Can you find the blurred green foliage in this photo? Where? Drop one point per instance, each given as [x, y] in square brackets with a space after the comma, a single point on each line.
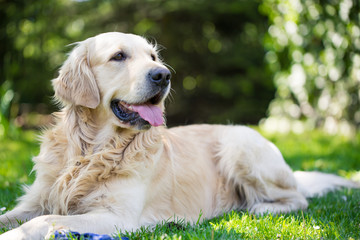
[217, 48]
[314, 53]
[6, 99]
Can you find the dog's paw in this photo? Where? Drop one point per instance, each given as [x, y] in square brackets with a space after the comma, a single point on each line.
[56, 231]
[15, 234]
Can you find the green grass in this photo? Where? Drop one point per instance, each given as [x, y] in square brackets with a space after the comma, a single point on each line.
[15, 166]
[334, 216]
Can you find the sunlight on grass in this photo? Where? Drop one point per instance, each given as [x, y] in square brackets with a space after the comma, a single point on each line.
[317, 150]
[287, 227]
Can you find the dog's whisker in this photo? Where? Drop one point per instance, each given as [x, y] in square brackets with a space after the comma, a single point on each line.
[171, 68]
[160, 47]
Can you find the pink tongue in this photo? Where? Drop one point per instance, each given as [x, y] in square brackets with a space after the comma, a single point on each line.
[150, 113]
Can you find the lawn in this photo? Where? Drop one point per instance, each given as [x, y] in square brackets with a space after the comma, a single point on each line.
[334, 216]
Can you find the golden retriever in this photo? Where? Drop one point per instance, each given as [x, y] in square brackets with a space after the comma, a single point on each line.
[110, 163]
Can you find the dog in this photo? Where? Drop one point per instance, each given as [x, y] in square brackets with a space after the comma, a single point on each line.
[109, 162]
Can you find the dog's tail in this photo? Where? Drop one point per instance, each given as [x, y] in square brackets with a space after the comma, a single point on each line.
[312, 184]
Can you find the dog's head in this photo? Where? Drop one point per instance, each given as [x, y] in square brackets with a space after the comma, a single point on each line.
[121, 73]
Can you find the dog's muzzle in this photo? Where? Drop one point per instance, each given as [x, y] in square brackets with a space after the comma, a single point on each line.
[147, 112]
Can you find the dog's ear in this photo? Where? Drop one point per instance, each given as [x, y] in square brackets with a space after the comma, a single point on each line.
[76, 83]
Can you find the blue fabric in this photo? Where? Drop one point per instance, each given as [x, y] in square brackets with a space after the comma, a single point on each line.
[84, 236]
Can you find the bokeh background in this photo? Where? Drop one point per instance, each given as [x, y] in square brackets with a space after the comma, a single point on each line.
[289, 65]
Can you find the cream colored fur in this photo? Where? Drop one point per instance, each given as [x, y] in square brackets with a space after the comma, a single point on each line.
[97, 174]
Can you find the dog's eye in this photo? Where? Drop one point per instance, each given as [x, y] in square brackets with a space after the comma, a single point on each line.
[153, 57]
[120, 56]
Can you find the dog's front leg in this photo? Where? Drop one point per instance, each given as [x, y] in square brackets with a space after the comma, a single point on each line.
[100, 222]
[17, 216]
[34, 229]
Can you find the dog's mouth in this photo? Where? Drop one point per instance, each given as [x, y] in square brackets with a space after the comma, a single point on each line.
[144, 113]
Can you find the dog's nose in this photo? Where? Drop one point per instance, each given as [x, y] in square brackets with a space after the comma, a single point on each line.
[160, 76]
